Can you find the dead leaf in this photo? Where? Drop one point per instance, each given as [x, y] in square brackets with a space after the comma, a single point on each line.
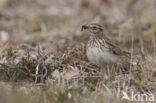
[71, 73]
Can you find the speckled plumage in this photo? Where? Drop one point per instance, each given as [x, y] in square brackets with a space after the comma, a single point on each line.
[101, 50]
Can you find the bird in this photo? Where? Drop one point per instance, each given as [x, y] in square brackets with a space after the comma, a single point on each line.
[102, 51]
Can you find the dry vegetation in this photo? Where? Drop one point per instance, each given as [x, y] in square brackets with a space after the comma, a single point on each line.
[42, 50]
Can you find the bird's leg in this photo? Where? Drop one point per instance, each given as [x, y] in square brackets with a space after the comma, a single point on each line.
[104, 71]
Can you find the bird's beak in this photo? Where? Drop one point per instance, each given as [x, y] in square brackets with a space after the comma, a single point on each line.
[84, 27]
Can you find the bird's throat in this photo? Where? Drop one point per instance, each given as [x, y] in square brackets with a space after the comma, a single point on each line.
[94, 36]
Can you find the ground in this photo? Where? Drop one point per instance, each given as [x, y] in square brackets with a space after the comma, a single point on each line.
[42, 50]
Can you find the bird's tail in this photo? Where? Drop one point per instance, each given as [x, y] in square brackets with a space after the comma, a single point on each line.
[128, 67]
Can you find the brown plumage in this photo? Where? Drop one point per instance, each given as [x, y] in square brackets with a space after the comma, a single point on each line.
[102, 51]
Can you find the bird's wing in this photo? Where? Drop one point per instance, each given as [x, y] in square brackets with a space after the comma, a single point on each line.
[115, 49]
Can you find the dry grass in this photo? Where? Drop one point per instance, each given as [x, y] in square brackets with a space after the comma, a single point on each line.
[42, 51]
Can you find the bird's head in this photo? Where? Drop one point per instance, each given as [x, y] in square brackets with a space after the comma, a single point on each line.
[93, 28]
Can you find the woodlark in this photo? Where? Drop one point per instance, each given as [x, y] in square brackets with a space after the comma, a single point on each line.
[101, 51]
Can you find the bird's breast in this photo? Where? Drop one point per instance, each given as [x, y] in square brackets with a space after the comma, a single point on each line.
[100, 56]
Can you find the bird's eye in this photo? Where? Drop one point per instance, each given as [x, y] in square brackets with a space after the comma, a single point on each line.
[94, 27]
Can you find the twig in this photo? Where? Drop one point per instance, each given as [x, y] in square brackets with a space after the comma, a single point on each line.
[44, 68]
[37, 68]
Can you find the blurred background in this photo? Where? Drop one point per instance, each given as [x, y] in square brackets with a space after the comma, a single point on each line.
[57, 23]
[39, 34]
